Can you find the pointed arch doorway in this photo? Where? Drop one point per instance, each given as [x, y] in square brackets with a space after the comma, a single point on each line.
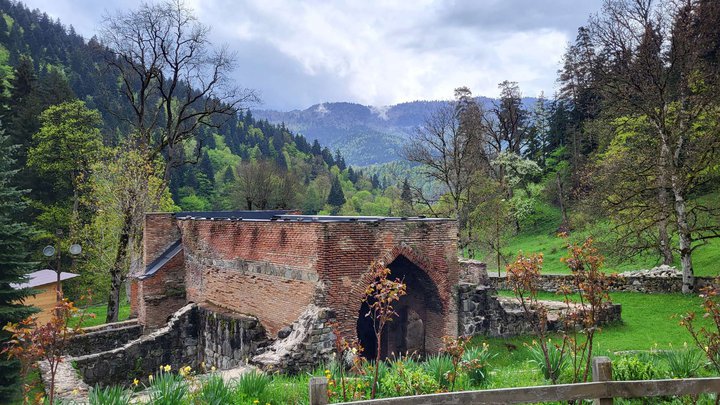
[420, 315]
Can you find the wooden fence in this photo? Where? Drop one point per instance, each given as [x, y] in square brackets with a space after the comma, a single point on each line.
[602, 390]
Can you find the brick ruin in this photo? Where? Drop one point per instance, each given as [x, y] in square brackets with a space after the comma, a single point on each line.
[273, 289]
[275, 266]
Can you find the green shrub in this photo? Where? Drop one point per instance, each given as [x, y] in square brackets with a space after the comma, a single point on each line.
[214, 391]
[253, 384]
[408, 381]
[438, 366]
[684, 363]
[168, 388]
[477, 364]
[112, 395]
[632, 368]
[556, 358]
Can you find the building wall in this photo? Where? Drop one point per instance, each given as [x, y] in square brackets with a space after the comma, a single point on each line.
[160, 231]
[45, 300]
[264, 269]
[351, 249]
[161, 294]
[275, 269]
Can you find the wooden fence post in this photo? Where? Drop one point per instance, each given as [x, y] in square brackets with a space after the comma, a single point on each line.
[318, 391]
[602, 371]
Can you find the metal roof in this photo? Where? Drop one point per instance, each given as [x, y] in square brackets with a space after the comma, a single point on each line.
[256, 215]
[157, 264]
[42, 277]
[283, 215]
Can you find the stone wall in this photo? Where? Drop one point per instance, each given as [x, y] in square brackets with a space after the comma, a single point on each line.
[308, 343]
[176, 344]
[482, 313]
[652, 285]
[228, 340]
[200, 334]
[104, 337]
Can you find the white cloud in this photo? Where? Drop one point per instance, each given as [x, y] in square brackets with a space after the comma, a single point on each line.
[299, 53]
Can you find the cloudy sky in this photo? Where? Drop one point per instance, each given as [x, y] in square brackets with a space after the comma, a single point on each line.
[300, 53]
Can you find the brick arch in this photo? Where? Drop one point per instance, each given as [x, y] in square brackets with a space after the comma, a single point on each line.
[356, 294]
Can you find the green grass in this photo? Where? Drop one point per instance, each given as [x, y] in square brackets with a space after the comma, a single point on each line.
[538, 235]
[100, 312]
[649, 320]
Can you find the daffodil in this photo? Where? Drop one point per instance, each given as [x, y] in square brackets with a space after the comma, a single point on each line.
[212, 369]
[167, 368]
[150, 377]
[75, 391]
[136, 382]
[257, 401]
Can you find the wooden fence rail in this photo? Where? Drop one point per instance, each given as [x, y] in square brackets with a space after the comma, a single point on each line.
[602, 390]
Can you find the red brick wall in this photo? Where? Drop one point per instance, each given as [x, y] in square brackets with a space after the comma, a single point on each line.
[162, 293]
[349, 249]
[265, 269]
[160, 232]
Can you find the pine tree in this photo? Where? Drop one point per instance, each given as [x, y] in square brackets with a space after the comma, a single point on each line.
[406, 194]
[13, 264]
[336, 198]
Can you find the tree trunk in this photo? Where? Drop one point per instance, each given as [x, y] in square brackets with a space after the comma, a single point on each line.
[565, 226]
[665, 246]
[663, 200]
[685, 237]
[684, 233]
[113, 306]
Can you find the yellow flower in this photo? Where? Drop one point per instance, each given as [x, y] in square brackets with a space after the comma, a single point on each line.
[203, 365]
[212, 369]
[167, 368]
[136, 382]
[150, 377]
[256, 401]
[327, 371]
[75, 391]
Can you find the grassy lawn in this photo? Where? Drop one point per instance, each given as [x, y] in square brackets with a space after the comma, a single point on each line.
[100, 312]
[649, 320]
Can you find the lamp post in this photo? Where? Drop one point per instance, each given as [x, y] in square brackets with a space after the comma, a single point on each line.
[50, 251]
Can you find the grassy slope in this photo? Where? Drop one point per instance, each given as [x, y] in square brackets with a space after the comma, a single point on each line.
[540, 236]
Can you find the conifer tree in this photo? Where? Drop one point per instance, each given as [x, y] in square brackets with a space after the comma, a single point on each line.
[13, 264]
[336, 198]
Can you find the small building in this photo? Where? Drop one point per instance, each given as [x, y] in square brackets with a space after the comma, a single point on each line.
[44, 282]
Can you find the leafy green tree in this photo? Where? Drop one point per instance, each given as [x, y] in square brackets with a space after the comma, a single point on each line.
[14, 266]
[122, 190]
[67, 145]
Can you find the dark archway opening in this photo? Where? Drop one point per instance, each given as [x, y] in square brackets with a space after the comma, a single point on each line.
[418, 311]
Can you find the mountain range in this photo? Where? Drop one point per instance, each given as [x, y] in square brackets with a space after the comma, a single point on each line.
[365, 135]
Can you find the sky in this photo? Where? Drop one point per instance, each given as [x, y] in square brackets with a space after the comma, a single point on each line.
[299, 53]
